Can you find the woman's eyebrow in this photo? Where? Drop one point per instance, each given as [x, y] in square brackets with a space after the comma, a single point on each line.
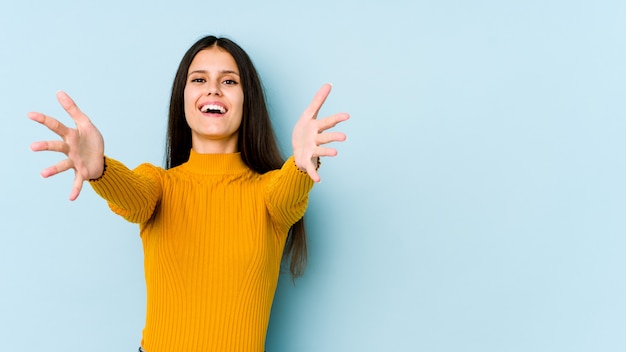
[221, 72]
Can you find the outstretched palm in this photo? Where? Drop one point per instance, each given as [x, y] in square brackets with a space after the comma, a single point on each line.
[83, 145]
[308, 134]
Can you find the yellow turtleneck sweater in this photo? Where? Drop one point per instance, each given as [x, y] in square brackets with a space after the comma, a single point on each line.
[213, 233]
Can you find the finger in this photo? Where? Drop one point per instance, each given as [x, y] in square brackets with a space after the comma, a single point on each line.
[313, 173]
[332, 121]
[322, 151]
[330, 137]
[55, 146]
[72, 109]
[53, 124]
[59, 167]
[318, 100]
[77, 187]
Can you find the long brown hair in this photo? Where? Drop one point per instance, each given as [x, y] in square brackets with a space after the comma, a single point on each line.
[256, 140]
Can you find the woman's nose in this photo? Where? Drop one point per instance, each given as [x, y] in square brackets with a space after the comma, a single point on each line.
[214, 89]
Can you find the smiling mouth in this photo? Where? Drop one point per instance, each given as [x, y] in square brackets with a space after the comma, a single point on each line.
[213, 109]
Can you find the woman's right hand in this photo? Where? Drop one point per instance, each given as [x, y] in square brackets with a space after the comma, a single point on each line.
[83, 145]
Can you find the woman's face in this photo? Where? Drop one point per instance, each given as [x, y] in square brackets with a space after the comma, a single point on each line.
[213, 101]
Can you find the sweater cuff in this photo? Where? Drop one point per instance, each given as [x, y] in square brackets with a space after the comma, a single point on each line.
[317, 167]
[105, 185]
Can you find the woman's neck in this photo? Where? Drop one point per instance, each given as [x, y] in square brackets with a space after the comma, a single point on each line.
[214, 146]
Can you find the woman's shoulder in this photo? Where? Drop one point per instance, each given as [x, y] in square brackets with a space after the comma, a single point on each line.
[149, 169]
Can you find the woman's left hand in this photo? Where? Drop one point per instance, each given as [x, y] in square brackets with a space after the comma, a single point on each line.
[308, 135]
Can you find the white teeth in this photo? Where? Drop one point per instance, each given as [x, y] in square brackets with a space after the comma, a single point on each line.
[210, 107]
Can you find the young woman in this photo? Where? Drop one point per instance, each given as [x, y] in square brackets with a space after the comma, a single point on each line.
[216, 222]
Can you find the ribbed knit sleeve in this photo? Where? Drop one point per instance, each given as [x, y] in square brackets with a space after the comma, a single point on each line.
[132, 194]
[288, 194]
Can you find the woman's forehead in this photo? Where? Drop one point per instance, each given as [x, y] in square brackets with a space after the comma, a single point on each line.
[214, 59]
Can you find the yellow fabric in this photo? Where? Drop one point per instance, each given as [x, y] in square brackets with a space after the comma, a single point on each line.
[213, 233]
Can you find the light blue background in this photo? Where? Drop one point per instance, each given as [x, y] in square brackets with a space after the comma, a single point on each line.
[478, 204]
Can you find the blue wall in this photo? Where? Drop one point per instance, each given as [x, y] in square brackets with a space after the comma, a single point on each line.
[478, 204]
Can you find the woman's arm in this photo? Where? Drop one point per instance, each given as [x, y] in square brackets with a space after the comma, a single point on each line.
[288, 191]
[131, 194]
[288, 194]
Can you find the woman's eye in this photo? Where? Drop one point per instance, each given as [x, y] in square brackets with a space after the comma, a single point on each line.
[230, 82]
[198, 80]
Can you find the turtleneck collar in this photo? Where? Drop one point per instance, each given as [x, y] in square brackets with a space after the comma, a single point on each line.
[213, 164]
